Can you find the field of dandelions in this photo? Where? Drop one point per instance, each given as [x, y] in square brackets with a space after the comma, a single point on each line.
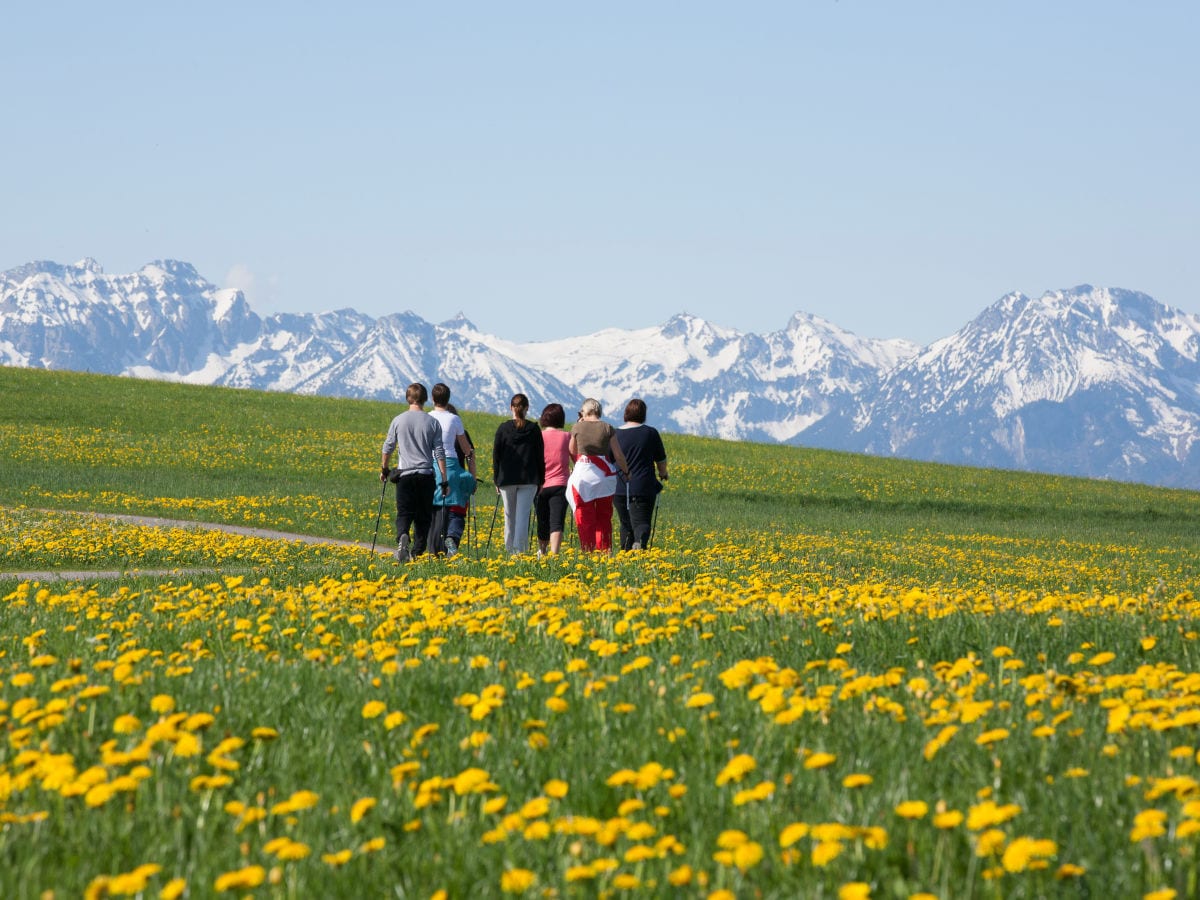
[831, 677]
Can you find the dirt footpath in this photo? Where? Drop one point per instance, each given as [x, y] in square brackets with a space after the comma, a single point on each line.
[61, 575]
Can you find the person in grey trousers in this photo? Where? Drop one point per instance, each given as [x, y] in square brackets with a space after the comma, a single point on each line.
[416, 438]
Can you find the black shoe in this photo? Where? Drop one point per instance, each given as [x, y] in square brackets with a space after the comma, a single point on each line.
[403, 553]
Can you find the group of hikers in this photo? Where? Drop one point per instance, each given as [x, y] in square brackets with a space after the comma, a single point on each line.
[535, 466]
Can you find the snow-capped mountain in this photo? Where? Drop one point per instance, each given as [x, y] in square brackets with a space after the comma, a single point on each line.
[1090, 381]
[1095, 382]
[709, 380]
[167, 322]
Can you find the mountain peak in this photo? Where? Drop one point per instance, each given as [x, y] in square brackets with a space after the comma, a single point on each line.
[87, 264]
[459, 322]
[173, 267]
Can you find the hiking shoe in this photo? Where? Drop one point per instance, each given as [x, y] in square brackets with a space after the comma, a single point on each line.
[637, 545]
[403, 551]
[451, 546]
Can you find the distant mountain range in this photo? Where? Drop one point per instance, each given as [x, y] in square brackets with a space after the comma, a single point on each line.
[1098, 382]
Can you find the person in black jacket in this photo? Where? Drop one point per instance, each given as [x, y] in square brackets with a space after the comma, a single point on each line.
[518, 470]
[638, 491]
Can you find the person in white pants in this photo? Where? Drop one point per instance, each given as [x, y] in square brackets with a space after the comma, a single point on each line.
[518, 469]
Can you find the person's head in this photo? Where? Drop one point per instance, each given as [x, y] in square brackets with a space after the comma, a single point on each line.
[519, 404]
[416, 395]
[591, 407]
[553, 416]
[440, 394]
[635, 411]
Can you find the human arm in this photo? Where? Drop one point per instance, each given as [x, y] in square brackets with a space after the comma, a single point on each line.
[389, 444]
[497, 450]
[618, 454]
[539, 459]
[468, 452]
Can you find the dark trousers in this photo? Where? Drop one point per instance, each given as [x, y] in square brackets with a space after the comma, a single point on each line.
[414, 506]
[635, 519]
[551, 505]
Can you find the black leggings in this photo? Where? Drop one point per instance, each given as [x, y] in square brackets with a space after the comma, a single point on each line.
[551, 510]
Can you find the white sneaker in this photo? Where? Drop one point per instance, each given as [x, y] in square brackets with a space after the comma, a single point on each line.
[451, 546]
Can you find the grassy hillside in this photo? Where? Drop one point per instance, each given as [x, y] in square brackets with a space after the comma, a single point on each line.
[833, 676]
[309, 465]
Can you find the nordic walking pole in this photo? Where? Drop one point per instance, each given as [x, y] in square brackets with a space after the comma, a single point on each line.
[495, 509]
[653, 522]
[378, 515]
[467, 522]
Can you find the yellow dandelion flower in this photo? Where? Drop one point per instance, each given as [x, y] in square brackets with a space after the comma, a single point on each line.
[187, 744]
[731, 838]
[826, 852]
[394, 720]
[680, 877]
[989, 842]
[912, 809]
[340, 858]
[992, 737]
[361, 807]
[517, 881]
[241, 879]
[736, 769]
[1149, 823]
[1023, 851]
[819, 760]
[373, 709]
[747, 855]
[793, 833]
[951, 818]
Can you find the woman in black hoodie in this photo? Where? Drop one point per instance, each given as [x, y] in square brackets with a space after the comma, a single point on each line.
[518, 468]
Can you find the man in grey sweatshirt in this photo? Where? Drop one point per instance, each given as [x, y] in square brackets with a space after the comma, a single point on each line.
[416, 437]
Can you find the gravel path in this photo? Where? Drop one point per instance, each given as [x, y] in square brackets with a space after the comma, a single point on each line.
[61, 575]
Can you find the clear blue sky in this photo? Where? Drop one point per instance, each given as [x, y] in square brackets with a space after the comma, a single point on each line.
[553, 168]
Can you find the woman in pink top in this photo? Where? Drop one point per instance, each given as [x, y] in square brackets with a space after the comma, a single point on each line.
[552, 498]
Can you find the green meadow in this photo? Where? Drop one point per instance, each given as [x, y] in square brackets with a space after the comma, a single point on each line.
[309, 465]
[833, 676]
